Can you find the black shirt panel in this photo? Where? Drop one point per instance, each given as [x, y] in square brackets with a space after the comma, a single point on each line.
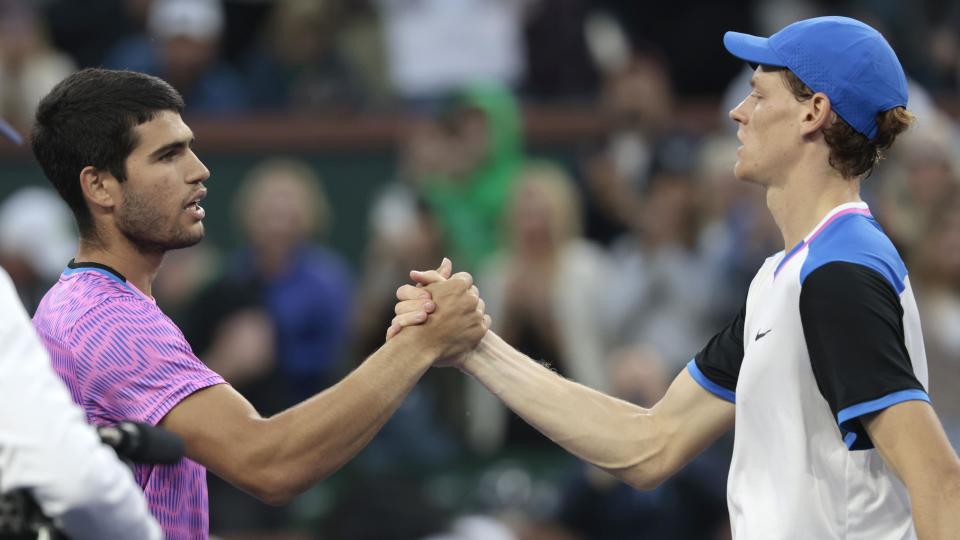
[721, 358]
[853, 327]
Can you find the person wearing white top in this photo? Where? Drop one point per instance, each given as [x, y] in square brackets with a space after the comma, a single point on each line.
[47, 449]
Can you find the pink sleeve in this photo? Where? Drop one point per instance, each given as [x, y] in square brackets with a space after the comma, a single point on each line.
[134, 363]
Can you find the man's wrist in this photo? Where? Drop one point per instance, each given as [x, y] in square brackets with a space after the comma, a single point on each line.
[482, 354]
[421, 343]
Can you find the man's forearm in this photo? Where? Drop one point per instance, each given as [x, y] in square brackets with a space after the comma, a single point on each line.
[595, 427]
[276, 458]
[912, 442]
[315, 438]
[936, 511]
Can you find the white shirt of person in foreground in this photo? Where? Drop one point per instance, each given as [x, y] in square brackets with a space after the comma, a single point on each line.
[48, 449]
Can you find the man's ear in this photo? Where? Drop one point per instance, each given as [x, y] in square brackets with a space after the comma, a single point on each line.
[99, 188]
[818, 114]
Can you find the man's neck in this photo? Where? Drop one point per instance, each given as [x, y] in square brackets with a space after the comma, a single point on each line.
[139, 268]
[801, 202]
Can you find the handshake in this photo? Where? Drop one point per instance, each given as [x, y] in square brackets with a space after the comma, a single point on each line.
[449, 310]
[442, 316]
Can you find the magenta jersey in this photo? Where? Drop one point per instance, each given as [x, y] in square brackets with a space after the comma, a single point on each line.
[123, 359]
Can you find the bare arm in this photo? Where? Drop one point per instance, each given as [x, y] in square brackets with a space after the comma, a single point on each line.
[640, 446]
[911, 440]
[277, 458]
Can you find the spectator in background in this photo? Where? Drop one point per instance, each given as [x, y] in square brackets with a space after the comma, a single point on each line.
[927, 177]
[542, 291]
[306, 287]
[559, 65]
[182, 47]
[662, 292]
[36, 235]
[637, 105]
[29, 65]
[486, 154]
[276, 323]
[943, 45]
[936, 275]
[697, 66]
[243, 19]
[87, 31]
[403, 230]
[298, 63]
[436, 47]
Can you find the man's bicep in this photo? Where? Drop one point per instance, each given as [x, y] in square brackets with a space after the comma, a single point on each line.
[699, 405]
[693, 417]
[215, 423]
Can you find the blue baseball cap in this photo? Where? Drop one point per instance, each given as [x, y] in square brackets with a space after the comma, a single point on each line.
[841, 57]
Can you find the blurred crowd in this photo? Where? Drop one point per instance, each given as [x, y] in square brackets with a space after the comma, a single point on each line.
[232, 56]
[613, 263]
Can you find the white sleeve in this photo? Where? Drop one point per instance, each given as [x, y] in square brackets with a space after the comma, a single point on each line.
[47, 448]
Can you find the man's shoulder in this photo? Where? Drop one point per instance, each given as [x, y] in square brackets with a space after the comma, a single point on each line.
[859, 240]
[85, 300]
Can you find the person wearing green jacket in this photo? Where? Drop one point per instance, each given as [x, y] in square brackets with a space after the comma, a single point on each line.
[469, 200]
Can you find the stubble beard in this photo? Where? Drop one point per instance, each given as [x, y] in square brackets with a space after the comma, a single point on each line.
[146, 227]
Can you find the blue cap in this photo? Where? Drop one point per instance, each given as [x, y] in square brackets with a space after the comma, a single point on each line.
[843, 58]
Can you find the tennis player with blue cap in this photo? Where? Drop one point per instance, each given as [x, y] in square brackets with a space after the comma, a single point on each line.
[823, 371]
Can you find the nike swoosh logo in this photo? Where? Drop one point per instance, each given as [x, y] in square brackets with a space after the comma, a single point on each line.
[761, 334]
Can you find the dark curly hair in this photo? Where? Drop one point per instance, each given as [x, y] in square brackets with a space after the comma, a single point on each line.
[88, 119]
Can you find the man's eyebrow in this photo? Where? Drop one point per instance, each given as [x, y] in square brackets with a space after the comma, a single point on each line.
[753, 82]
[175, 145]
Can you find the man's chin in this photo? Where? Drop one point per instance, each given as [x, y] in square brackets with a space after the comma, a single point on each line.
[187, 238]
[189, 241]
[743, 175]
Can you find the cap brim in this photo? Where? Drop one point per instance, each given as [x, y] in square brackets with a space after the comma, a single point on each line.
[753, 49]
[9, 132]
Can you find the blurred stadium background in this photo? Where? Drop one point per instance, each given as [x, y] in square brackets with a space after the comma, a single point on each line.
[575, 155]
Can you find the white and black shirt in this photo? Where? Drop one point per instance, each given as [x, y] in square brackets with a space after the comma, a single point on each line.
[829, 333]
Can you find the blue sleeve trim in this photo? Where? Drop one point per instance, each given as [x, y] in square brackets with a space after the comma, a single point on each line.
[709, 385]
[851, 430]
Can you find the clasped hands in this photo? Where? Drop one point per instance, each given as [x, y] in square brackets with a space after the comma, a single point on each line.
[448, 307]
